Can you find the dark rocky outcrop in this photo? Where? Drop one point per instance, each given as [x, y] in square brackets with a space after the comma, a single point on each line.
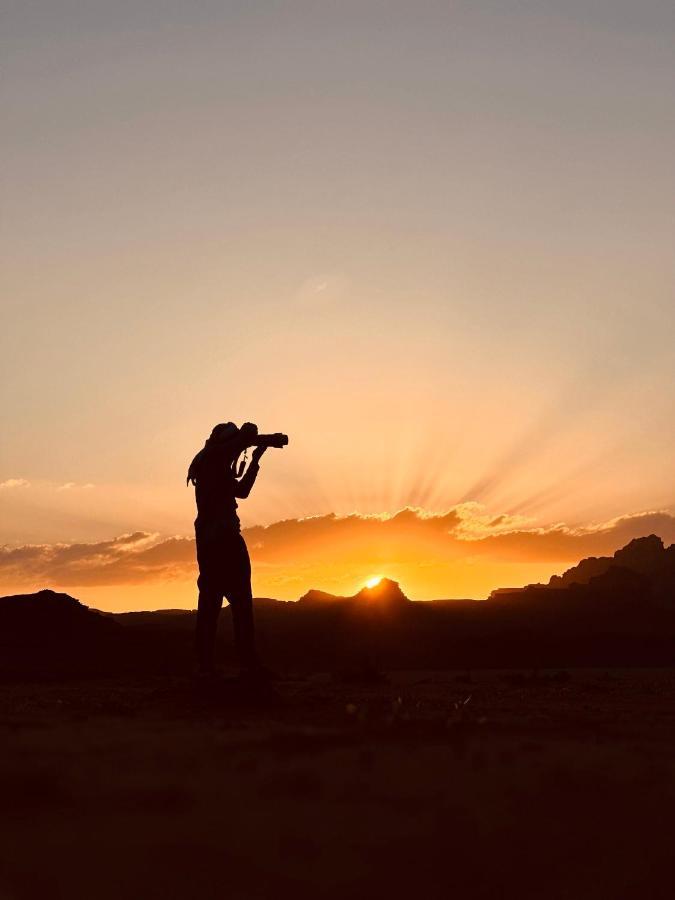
[48, 616]
[385, 594]
[611, 611]
[642, 572]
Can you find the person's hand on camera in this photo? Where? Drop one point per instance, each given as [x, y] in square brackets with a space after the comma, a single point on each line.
[248, 429]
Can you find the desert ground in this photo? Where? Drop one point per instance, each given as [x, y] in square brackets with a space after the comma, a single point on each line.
[485, 784]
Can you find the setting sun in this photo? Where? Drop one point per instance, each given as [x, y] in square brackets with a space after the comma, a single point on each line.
[374, 581]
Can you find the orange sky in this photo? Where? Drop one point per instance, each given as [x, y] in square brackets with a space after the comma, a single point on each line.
[460, 553]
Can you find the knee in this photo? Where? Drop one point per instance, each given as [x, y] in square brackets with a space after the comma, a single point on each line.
[209, 598]
[241, 600]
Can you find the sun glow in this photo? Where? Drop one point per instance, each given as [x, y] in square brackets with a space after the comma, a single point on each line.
[373, 581]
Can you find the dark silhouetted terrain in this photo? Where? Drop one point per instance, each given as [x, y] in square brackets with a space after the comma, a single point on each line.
[434, 785]
[644, 561]
[386, 594]
[614, 611]
[408, 749]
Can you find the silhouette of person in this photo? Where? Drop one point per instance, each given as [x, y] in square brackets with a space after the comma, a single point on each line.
[224, 565]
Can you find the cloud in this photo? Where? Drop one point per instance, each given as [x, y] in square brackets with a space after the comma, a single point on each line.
[12, 483]
[297, 551]
[72, 485]
[560, 543]
[128, 559]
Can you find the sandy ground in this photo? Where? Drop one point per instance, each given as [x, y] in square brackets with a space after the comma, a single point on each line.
[487, 785]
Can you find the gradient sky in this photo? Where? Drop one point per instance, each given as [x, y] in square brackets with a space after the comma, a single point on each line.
[431, 241]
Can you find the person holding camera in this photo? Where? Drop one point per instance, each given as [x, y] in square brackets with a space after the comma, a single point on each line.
[220, 479]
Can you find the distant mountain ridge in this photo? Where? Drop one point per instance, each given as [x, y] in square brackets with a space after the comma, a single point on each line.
[645, 555]
[617, 610]
[50, 635]
[644, 565]
[46, 614]
[386, 593]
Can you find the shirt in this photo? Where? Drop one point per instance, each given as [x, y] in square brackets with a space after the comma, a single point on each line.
[217, 488]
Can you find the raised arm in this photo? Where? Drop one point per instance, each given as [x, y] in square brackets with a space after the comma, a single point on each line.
[245, 483]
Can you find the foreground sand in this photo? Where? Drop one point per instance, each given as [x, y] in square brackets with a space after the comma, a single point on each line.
[558, 786]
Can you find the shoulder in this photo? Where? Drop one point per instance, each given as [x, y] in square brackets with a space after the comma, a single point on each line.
[211, 465]
[218, 456]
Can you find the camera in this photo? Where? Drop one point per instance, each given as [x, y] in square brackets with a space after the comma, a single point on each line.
[270, 440]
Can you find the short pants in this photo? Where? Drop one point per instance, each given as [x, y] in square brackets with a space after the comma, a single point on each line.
[224, 563]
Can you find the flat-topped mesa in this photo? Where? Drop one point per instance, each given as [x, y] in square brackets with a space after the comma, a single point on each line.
[645, 555]
[43, 603]
[385, 593]
[45, 614]
[314, 596]
[643, 570]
